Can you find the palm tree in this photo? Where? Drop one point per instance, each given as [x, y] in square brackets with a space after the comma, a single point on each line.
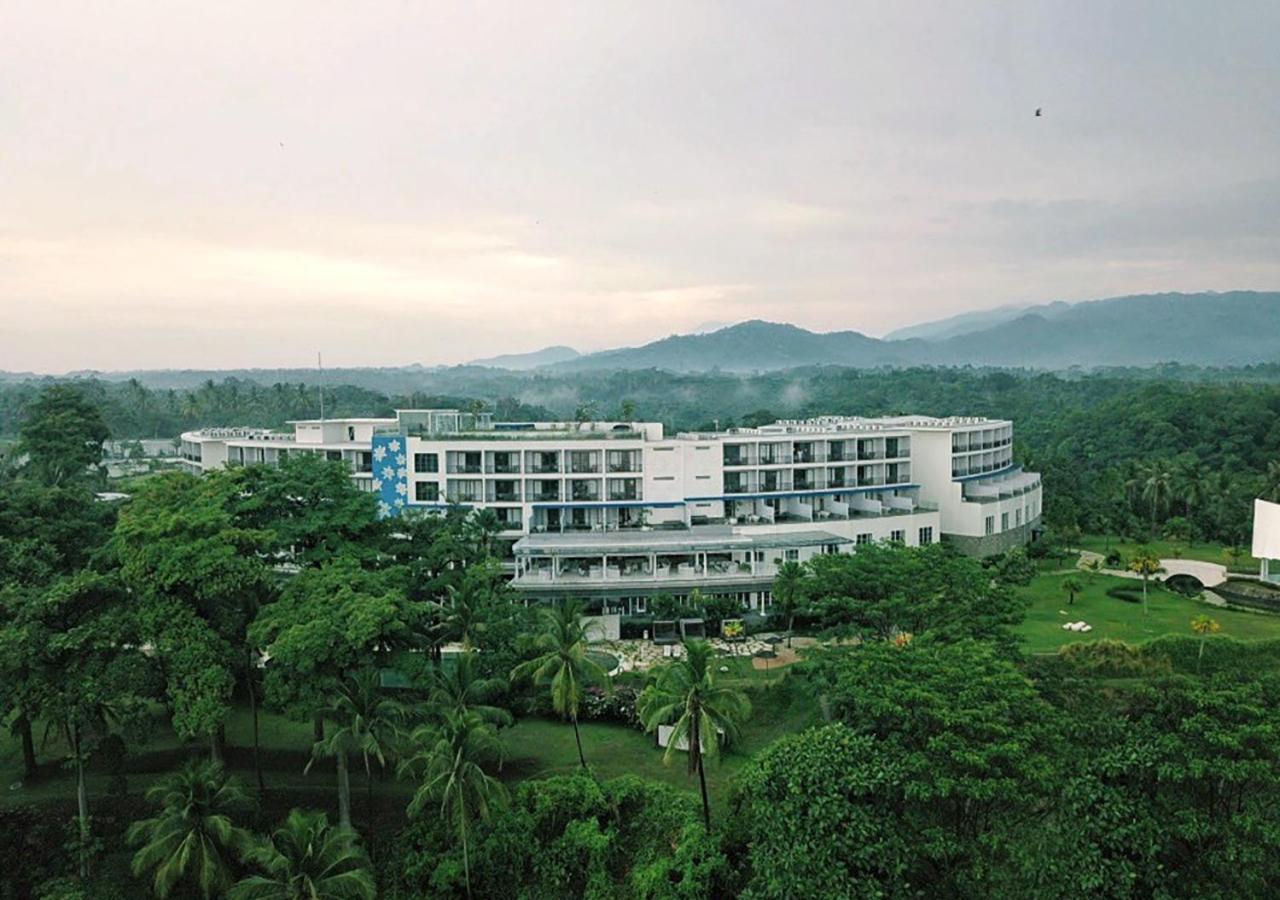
[1146, 564]
[460, 690]
[449, 761]
[306, 858]
[787, 584]
[1204, 626]
[684, 692]
[1189, 483]
[563, 663]
[464, 614]
[481, 527]
[1156, 478]
[1271, 482]
[193, 834]
[366, 721]
[1072, 586]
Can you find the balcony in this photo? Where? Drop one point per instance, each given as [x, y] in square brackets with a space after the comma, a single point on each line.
[625, 466]
[465, 469]
[504, 469]
[624, 494]
[736, 489]
[544, 468]
[544, 496]
[585, 496]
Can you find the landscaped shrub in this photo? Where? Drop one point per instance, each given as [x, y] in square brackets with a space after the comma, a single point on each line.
[1126, 593]
[1252, 594]
[1222, 654]
[1187, 585]
[634, 628]
[1114, 560]
[618, 705]
[1113, 659]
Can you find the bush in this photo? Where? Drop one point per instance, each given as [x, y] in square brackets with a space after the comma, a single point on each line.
[1113, 659]
[634, 628]
[1125, 593]
[1114, 560]
[618, 705]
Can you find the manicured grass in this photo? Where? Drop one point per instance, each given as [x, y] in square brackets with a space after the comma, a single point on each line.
[538, 748]
[1206, 551]
[1169, 613]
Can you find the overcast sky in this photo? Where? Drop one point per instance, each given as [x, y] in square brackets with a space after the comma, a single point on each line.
[234, 183]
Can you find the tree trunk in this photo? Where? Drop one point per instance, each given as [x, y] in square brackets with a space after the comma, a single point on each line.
[29, 765]
[317, 727]
[253, 711]
[707, 803]
[466, 858]
[344, 791]
[578, 737]
[1144, 594]
[791, 628]
[215, 748]
[82, 803]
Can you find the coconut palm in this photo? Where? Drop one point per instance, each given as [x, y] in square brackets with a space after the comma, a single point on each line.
[449, 759]
[1146, 564]
[1072, 586]
[1204, 626]
[1157, 479]
[480, 528]
[306, 858]
[193, 836]
[1271, 482]
[684, 694]
[787, 584]
[365, 722]
[1190, 480]
[459, 689]
[563, 664]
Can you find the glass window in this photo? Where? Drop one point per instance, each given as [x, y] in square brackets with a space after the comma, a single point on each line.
[426, 491]
[426, 462]
[926, 536]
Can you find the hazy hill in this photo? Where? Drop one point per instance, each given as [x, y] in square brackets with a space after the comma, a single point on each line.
[965, 323]
[1211, 329]
[521, 361]
[753, 346]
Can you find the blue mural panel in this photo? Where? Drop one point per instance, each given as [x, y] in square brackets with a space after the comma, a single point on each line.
[390, 474]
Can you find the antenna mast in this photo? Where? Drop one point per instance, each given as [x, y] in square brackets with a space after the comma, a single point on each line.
[320, 383]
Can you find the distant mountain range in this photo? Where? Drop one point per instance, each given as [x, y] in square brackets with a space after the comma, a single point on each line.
[521, 361]
[1209, 329]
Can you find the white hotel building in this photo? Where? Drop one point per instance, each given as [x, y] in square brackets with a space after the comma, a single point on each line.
[620, 512]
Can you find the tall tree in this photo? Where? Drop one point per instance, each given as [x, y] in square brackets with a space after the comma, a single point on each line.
[194, 836]
[311, 507]
[562, 664]
[449, 760]
[306, 858]
[1146, 564]
[365, 722]
[787, 586]
[703, 714]
[200, 577]
[61, 436]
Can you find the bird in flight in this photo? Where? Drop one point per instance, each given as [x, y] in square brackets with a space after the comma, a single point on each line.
[1037, 112]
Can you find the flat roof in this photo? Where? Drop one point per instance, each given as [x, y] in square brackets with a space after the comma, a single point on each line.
[698, 538]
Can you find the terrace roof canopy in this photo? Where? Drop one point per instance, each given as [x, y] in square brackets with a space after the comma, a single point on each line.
[700, 539]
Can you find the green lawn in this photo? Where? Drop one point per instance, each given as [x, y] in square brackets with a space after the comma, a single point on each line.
[1169, 613]
[1206, 551]
[536, 748]
[540, 747]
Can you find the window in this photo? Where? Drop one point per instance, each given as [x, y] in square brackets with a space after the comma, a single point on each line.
[351, 432]
[991, 525]
[862, 539]
[926, 536]
[426, 491]
[334, 455]
[1017, 516]
[1004, 521]
[791, 555]
[898, 537]
[426, 462]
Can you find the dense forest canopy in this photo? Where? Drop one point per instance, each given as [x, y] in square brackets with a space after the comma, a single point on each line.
[1124, 450]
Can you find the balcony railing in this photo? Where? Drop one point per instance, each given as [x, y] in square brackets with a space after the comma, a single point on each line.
[625, 466]
[624, 495]
[507, 469]
[586, 496]
[545, 495]
[465, 469]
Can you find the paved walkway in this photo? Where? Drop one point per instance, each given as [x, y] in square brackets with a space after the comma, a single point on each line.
[1210, 574]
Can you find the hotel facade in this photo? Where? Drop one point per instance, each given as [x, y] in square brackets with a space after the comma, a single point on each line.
[619, 512]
